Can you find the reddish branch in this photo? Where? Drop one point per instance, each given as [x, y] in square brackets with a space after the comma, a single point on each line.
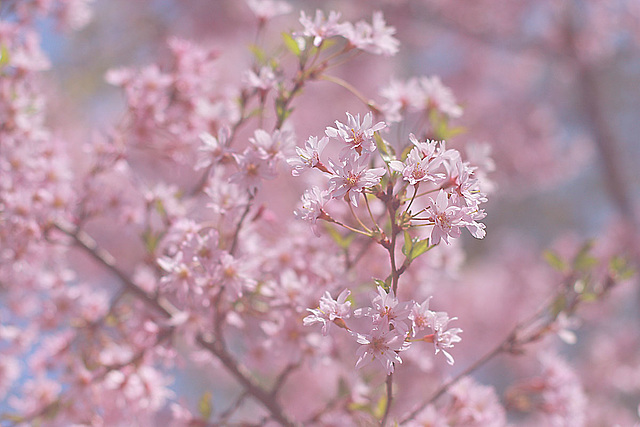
[164, 308]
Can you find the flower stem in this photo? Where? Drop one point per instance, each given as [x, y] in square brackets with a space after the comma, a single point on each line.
[389, 400]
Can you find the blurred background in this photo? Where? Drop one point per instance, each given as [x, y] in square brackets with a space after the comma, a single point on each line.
[552, 86]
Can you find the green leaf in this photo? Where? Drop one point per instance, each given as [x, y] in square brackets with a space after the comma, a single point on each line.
[620, 268]
[589, 296]
[151, 240]
[291, 44]
[4, 56]
[558, 305]
[384, 284]
[15, 418]
[451, 132]
[419, 247]
[341, 241]
[205, 406]
[408, 244]
[583, 258]
[584, 261]
[258, 53]
[386, 151]
[414, 247]
[381, 406]
[361, 407]
[554, 260]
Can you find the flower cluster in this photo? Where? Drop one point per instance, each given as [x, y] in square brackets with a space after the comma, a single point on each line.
[165, 248]
[376, 38]
[429, 166]
[422, 95]
[389, 327]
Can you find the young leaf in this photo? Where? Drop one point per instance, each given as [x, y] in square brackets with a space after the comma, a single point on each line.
[258, 53]
[381, 406]
[341, 241]
[384, 284]
[419, 247]
[205, 406]
[554, 260]
[4, 56]
[620, 268]
[408, 244]
[291, 44]
[386, 151]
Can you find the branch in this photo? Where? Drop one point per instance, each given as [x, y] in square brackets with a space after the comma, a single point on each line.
[236, 234]
[389, 399]
[85, 242]
[242, 376]
[511, 344]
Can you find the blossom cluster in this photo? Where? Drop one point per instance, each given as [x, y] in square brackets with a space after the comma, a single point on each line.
[162, 249]
[389, 326]
[428, 166]
[376, 38]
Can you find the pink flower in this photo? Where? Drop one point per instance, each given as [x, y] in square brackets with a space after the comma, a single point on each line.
[267, 9]
[376, 38]
[253, 170]
[330, 311]
[321, 28]
[213, 150]
[417, 168]
[9, 372]
[386, 309]
[352, 177]
[382, 345]
[273, 146]
[443, 338]
[309, 156]
[400, 97]
[439, 97]
[476, 405]
[447, 219]
[420, 315]
[564, 399]
[357, 136]
[263, 81]
[234, 276]
[461, 181]
[313, 201]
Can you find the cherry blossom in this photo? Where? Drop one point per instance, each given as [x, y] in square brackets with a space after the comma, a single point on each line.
[313, 202]
[330, 311]
[309, 156]
[321, 28]
[352, 177]
[356, 135]
[381, 344]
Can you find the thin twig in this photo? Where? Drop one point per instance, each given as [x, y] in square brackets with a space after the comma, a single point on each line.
[383, 422]
[236, 234]
[85, 242]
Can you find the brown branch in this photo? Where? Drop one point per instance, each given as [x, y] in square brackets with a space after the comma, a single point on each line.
[242, 376]
[236, 234]
[604, 137]
[85, 242]
[286, 372]
[511, 344]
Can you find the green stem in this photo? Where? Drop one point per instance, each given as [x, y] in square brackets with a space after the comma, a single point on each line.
[353, 212]
[351, 89]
